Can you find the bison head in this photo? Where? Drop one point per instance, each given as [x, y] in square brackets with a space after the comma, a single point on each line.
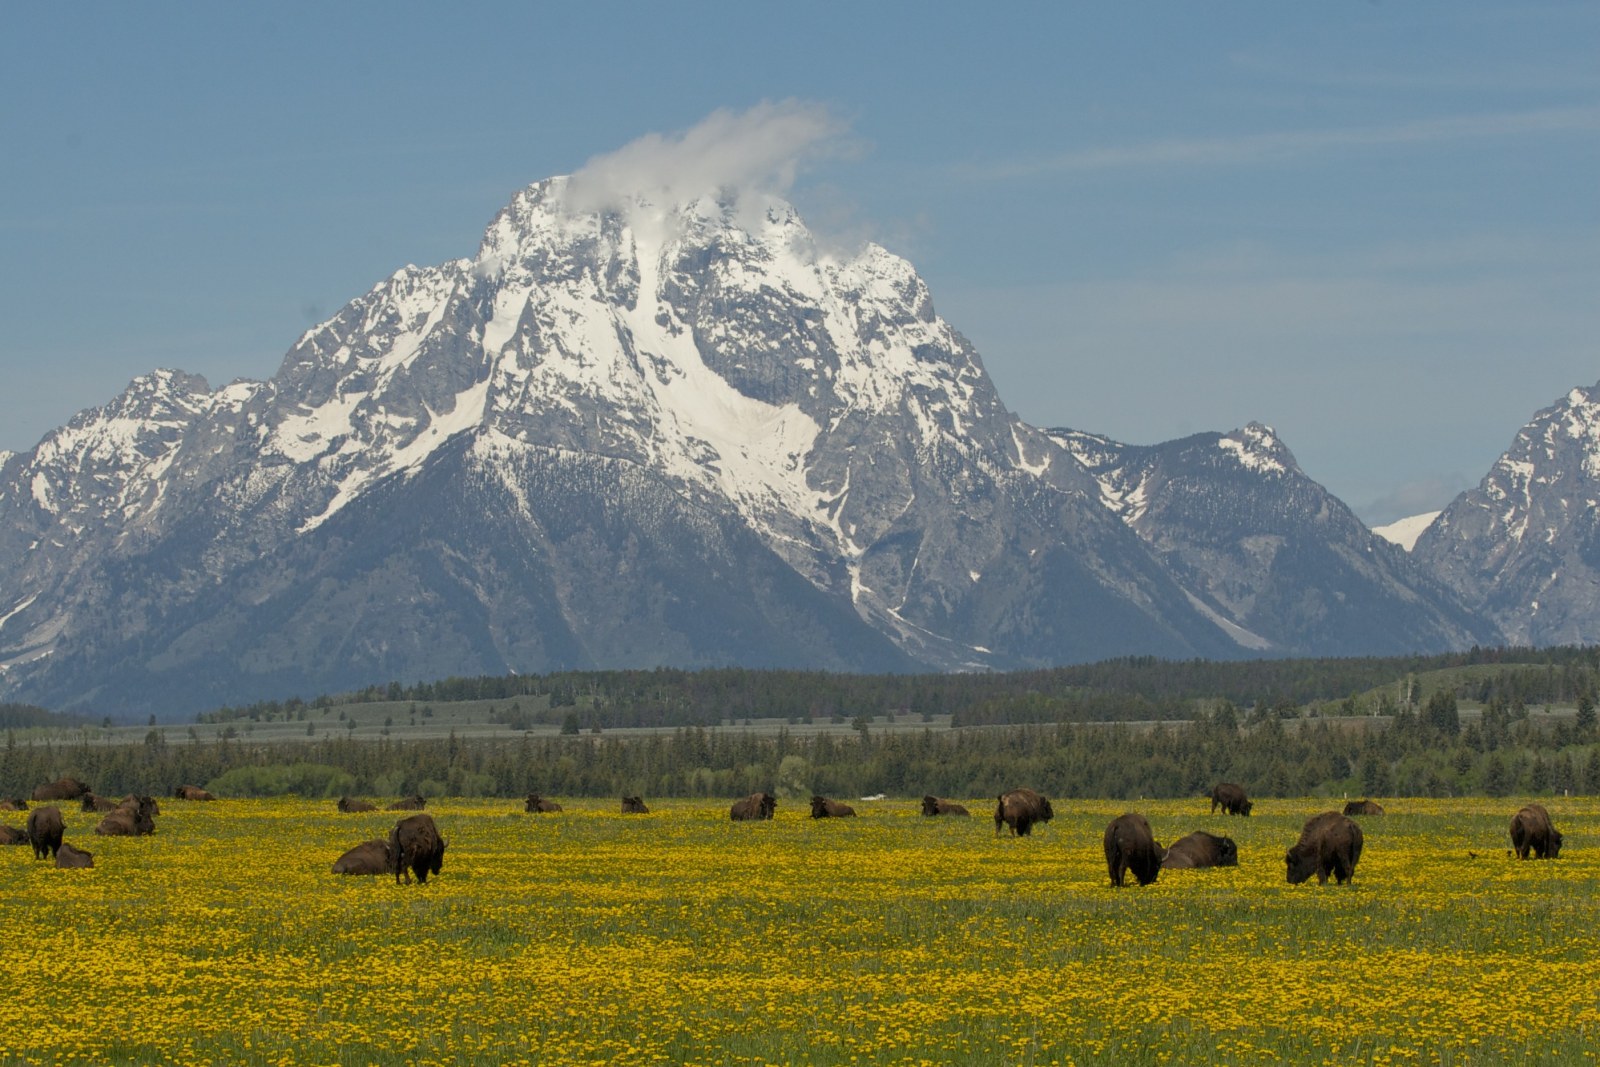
[930, 805]
[1302, 863]
[1554, 849]
[1227, 852]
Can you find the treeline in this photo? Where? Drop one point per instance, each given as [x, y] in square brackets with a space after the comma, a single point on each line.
[1427, 752]
[1119, 690]
[23, 716]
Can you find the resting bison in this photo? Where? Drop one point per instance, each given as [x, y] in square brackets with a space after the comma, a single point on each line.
[537, 803]
[131, 818]
[1020, 809]
[415, 847]
[68, 856]
[754, 806]
[369, 857]
[350, 805]
[1231, 798]
[96, 802]
[45, 828]
[13, 804]
[1531, 831]
[823, 808]
[191, 792]
[1130, 847]
[13, 835]
[1329, 844]
[60, 789]
[1201, 849]
[634, 806]
[934, 806]
[1363, 807]
[414, 802]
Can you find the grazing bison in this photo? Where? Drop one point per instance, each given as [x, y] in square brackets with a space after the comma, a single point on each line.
[67, 856]
[45, 827]
[350, 805]
[415, 847]
[60, 789]
[1532, 831]
[369, 857]
[13, 804]
[934, 806]
[1201, 849]
[537, 803]
[1131, 847]
[823, 808]
[414, 802]
[1020, 809]
[754, 806]
[132, 818]
[191, 792]
[1329, 844]
[13, 835]
[1230, 796]
[634, 806]
[1363, 807]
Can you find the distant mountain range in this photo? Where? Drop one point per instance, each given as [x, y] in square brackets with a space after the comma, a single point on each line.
[636, 433]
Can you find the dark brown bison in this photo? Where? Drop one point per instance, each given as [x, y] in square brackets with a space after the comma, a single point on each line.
[13, 835]
[932, 805]
[369, 857]
[13, 804]
[96, 802]
[1329, 844]
[45, 827]
[754, 806]
[1363, 807]
[191, 792]
[67, 856]
[1201, 849]
[350, 805]
[415, 847]
[60, 789]
[1532, 831]
[634, 806]
[1131, 847]
[1230, 796]
[537, 803]
[823, 808]
[1020, 809]
[132, 818]
[414, 802]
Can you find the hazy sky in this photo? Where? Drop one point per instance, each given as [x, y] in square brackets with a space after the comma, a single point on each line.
[1374, 226]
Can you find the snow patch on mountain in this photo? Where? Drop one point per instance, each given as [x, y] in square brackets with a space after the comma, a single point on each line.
[1404, 532]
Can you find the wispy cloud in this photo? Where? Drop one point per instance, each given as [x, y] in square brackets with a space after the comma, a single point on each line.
[1292, 144]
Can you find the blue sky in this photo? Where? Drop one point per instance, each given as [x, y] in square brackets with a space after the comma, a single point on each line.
[1374, 226]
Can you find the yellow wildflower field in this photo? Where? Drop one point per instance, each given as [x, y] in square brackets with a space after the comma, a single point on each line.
[679, 937]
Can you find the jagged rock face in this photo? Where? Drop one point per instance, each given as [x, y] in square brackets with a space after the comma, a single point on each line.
[622, 434]
[1282, 563]
[1523, 548]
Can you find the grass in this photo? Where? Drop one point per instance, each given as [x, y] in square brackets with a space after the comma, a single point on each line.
[681, 937]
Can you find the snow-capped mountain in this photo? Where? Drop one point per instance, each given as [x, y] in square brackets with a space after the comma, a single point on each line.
[1272, 556]
[1404, 532]
[1523, 548]
[623, 433]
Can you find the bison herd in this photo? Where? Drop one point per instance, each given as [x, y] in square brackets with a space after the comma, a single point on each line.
[1330, 843]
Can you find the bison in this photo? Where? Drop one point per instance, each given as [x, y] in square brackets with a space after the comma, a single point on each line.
[415, 847]
[68, 856]
[1131, 847]
[932, 805]
[13, 835]
[1230, 796]
[414, 802]
[350, 805]
[755, 806]
[539, 804]
[191, 792]
[45, 827]
[634, 806]
[132, 818]
[1363, 807]
[823, 808]
[1201, 849]
[369, 857]
[1330, 843]
[13, 804]
[1531, 831]
[60, 789]
[1020, 809]
[96, 802]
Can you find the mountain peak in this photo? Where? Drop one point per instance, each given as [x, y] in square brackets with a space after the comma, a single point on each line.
[1258, 448]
